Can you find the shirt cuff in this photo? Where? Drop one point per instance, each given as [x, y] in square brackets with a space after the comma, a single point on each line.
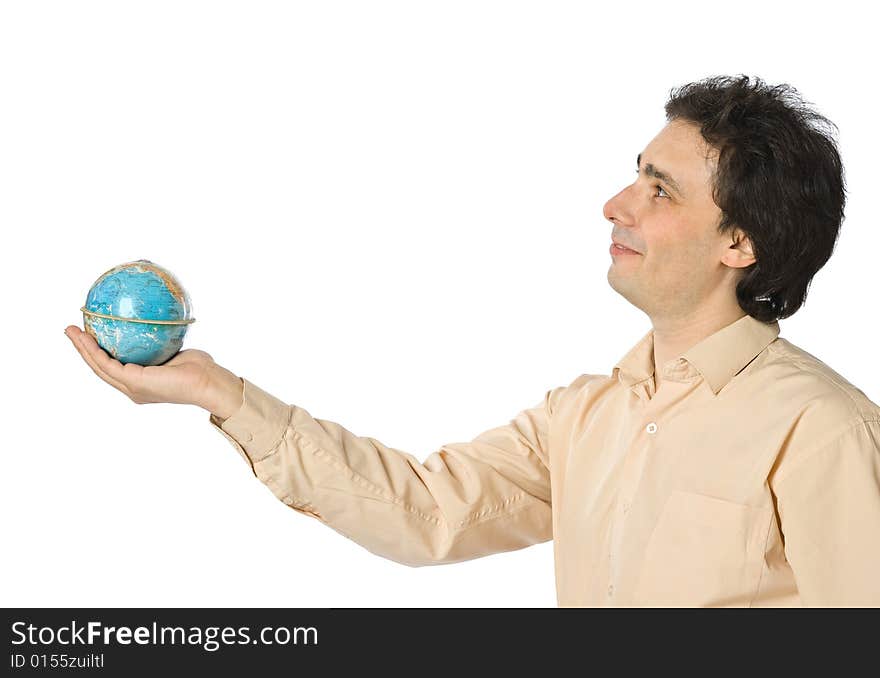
[257, 427]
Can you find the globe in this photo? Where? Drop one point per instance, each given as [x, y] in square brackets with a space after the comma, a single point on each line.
[138, 312]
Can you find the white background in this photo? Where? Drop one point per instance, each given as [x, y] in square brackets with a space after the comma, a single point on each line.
[389, 213]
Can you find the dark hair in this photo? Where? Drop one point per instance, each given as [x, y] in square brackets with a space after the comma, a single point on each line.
[779, 178]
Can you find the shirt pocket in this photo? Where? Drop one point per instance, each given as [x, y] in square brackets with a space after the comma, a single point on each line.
[703, 552]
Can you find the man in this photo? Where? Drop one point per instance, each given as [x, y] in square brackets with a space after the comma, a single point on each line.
[716, 465]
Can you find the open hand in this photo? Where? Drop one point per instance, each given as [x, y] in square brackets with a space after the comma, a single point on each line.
[185, 379]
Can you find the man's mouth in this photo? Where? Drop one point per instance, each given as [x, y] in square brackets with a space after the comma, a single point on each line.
[619, 249]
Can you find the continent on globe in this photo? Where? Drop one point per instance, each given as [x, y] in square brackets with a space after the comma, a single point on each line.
[138, 312]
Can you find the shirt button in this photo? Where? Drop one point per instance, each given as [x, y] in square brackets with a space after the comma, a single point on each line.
[625, 507]
[610, 590]
[651, 428]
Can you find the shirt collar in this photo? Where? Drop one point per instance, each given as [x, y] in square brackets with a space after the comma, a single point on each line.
[718, 357]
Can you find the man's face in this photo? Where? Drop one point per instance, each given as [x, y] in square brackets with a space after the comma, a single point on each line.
[683, 263]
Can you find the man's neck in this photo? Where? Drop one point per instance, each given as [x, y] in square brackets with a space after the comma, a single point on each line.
[672, 338]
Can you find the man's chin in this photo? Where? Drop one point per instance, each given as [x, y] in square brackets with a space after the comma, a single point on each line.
[623, 290]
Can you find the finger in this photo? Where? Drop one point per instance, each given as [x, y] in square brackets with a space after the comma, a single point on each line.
[90, 360]
[90, 351]
[108, 365]
[80, 346]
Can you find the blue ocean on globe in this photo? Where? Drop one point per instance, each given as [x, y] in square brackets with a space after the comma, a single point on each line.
[138, 312]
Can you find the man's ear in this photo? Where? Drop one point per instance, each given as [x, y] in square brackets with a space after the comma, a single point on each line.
[740, 253]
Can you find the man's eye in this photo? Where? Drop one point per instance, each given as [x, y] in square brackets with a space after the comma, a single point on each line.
[658, 186]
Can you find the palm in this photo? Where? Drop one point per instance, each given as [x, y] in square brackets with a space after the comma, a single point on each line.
[183, 379]
[180, 380]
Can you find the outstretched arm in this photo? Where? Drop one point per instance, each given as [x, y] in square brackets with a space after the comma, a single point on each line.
[467, 500]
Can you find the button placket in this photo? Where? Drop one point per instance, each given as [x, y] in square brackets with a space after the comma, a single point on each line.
[626, 488]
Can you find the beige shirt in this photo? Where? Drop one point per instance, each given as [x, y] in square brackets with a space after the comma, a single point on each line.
[750, 478]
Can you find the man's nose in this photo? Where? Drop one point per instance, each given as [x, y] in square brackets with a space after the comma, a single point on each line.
[615, 210]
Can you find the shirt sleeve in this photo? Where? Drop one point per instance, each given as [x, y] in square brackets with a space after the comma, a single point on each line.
[829, 510]
[467, 500]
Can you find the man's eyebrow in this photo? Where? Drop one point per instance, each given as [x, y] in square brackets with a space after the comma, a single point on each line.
[652, 171]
